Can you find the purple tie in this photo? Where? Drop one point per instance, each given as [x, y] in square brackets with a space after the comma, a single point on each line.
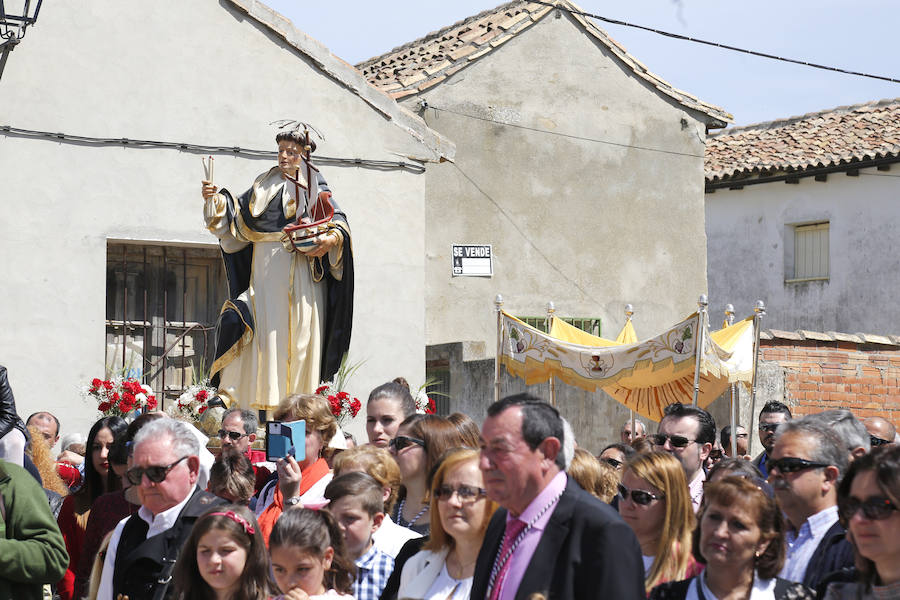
[513, 528]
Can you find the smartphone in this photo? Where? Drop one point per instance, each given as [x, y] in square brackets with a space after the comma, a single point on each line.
[285, 438]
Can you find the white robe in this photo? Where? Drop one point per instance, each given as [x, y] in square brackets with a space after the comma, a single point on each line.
[288, 306]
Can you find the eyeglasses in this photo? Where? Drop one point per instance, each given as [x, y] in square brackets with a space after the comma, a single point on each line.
[401, 441]
[155, 474]
[677, 441]
[615, 464]
[790, 464]
[465, 493]
[768, 427]
[877, 441]
[638, 496]
[232, 435]
[874, 509]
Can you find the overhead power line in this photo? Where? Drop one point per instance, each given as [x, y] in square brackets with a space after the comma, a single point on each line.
[426, 104]
[686, 38]
[205, 149]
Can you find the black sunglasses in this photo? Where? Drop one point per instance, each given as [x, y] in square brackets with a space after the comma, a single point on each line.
[232, 435]
[677, 441]
[790, 464]
[401, 441]
[874, 509]
[877, 441]
[638, 496]
[154, 474]
[768, 427]
[615, 464]
[465, 493]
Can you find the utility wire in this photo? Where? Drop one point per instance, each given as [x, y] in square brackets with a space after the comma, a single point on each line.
[425, 104]
[205, 149]
[524, 236]
[718, 45]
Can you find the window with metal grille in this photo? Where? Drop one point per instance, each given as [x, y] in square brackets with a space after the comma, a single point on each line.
[162, 303]
[811, 251]
[589, 324]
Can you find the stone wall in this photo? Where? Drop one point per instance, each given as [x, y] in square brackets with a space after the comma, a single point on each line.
[808, 371]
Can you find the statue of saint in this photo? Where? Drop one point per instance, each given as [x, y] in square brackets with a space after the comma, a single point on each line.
[286, 324]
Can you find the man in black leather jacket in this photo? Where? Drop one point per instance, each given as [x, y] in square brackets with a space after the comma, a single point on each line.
[13, 434]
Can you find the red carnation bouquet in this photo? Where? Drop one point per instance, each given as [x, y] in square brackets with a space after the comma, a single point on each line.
[120, 396]
[343, 406]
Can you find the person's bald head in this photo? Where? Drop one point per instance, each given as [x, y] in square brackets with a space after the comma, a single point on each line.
[47, 424]
[880, 429]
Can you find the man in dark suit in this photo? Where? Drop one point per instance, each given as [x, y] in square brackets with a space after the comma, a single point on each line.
[550, 537]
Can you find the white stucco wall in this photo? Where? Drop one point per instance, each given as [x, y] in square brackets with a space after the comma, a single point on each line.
[591, 226]
[199, 72]
[749, 228]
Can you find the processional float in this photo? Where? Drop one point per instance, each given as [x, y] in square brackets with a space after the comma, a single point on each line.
[686, 363]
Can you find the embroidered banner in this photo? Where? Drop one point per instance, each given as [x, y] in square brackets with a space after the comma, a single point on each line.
[645, 376]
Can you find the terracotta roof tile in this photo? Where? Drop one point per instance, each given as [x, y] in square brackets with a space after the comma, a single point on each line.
[436, 56]
[838, 136]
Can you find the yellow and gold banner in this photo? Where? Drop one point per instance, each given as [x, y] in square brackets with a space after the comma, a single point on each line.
[644, 376]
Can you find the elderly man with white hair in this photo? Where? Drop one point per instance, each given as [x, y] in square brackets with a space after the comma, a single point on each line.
[144, 547]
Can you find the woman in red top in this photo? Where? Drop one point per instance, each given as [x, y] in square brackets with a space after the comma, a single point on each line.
[73, 516]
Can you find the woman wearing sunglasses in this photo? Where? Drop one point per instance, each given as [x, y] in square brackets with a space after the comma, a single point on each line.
[654, 501]
[76, 508]
[868, 501]
[420, 442]
[740, 538]
[460, 513]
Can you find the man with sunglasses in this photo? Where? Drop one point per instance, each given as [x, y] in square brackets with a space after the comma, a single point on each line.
[688, 433]
[238, 431]
[881, 431]
[805, 467]
[143, 547]
[772, 415]
[550, 536]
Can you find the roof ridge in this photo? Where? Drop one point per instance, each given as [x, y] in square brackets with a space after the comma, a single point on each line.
[439, 32]
[804, 117]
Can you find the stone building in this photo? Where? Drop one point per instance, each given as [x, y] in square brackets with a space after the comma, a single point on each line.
[102, 235]
[578, 166]
[802, 213]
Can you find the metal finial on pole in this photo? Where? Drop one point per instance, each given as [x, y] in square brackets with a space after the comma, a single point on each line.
[629, 312]
[702, 303]
[551, 308]
[729, 320]
[498, 306]
[759, 312]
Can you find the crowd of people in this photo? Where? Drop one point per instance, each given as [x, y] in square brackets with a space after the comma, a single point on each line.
[438, 508]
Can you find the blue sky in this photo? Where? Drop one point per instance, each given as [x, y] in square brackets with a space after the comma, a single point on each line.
[855, 36]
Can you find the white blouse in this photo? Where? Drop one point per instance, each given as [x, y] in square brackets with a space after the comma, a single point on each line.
[447, 588]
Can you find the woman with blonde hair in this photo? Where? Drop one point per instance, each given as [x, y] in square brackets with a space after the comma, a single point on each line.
[654, 501]
[299, 482]
[596, 478]
[381, 466]
[460, 513]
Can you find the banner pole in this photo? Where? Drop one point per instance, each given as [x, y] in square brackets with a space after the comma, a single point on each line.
[759, 312]
[629, 312]
[550, 310]
[498, 306]
[702, 303]
[729, 320]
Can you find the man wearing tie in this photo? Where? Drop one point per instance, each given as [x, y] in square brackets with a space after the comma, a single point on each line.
[551, 537]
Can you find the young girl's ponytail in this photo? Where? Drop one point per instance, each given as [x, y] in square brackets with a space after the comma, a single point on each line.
[314, 531]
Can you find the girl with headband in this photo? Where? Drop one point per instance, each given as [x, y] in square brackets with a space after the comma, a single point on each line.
[224, 558]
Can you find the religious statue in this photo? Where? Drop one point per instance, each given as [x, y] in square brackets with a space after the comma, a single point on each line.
[286, 323]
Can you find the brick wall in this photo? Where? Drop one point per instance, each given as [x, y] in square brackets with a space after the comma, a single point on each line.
[821, 374]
